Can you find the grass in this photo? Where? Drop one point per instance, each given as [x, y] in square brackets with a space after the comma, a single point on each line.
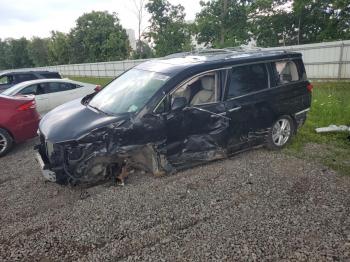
[92, 80]
[330, 105]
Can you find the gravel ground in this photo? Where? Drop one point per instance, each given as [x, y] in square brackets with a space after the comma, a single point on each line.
[259, 205]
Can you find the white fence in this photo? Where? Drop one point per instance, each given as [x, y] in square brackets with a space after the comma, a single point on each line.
[330, 60]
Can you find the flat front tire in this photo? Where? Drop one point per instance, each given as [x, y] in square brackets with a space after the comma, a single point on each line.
[6, 142]
[280, 133]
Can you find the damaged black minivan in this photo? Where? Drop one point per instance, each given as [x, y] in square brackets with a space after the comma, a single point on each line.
[176, 112]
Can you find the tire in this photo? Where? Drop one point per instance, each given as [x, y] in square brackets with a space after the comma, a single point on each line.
[6, 142]
[280, 133]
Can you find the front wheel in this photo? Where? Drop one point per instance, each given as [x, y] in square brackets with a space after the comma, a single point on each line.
[280, 133]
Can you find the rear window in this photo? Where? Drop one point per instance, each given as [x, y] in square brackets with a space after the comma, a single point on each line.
[51, 75]
[6, 80]
[54, 87]
[25, 77]
[288, 71]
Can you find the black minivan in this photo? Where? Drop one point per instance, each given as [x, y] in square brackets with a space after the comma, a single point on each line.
[173, 113]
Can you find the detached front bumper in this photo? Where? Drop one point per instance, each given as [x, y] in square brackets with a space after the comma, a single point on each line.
[47, 173]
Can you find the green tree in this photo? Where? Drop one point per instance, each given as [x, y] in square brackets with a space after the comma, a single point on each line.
[143, 51]
[308, 21]
[322, 20]
[98, 36]
[168, 29]
[58, 48]
[38, 51]
[222, 23]
[18, 55]
[4, 55]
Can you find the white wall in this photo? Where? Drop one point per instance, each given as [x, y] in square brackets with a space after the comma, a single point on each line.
[329, 60]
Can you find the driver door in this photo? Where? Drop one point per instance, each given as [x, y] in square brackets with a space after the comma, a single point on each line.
[197, 132]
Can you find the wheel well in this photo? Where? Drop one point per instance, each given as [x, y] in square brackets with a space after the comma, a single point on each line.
[9, 132]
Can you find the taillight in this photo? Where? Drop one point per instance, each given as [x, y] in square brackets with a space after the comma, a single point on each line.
[309, 87]
[27, 106]
[98, 88]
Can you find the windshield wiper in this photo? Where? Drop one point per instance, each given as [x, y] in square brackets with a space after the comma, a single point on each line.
[99, 110]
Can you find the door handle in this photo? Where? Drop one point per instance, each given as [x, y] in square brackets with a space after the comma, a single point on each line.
[218, 115]
[235, 109]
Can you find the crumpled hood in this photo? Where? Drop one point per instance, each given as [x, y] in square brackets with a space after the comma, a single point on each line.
[72, 120]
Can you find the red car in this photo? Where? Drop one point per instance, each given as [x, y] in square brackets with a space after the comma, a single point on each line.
[19, 121]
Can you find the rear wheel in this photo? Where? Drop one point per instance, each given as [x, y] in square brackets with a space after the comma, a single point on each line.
[6, 142]
[280, 133]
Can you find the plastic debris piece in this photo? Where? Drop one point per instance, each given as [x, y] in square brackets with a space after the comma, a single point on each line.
[333, 128]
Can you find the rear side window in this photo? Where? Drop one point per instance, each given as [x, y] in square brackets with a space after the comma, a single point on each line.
[6, 80]
[247, 79]
[50, 75]
[25, 77]
[286, 72]
[54, 87]
[31, 90]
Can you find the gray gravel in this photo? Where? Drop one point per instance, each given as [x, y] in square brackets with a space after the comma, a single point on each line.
[259, 205]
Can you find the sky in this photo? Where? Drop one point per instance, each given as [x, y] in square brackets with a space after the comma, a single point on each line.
[30, 18]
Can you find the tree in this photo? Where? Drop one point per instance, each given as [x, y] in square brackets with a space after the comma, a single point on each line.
[139, 9]
[222, 23]
[58, 48]
[143, 51]
[38, 51]
[307, 21]
[98, 36]
[168, 30]
[4, 55]
[18, 56]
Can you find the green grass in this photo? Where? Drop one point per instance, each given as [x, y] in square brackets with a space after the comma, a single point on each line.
[330, 105]
[92, 80]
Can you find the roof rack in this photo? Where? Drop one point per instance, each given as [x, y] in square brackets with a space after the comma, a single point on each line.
[214, 51]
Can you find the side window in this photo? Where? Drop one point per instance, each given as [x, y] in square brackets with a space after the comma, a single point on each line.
[203, 89]
[247, 79]
[50, 75]
[25, 77]
[6, 80]
[54, 87]
[31, 90]
[286, 72]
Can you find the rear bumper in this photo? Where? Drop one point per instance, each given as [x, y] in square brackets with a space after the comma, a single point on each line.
[300, 117]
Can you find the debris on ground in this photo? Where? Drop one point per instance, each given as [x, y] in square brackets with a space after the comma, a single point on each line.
[333, 128]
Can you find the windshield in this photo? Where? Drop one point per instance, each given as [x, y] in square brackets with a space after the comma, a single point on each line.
[129, 92]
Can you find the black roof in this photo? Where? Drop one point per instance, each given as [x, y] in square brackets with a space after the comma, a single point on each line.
[175, 63]
[25, 72]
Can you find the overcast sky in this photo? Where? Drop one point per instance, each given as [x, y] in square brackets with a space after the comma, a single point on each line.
[38, 17]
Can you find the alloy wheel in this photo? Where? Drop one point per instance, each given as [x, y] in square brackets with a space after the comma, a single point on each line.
[281, 132]
[3, 143]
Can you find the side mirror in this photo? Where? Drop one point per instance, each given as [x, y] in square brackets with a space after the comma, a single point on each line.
[179, 103]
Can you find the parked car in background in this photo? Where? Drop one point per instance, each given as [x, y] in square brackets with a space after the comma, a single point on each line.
[172, 113]
[50, 93]
[9, 79]
[19, 121]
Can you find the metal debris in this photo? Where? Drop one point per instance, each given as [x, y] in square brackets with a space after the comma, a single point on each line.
[333, 128]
